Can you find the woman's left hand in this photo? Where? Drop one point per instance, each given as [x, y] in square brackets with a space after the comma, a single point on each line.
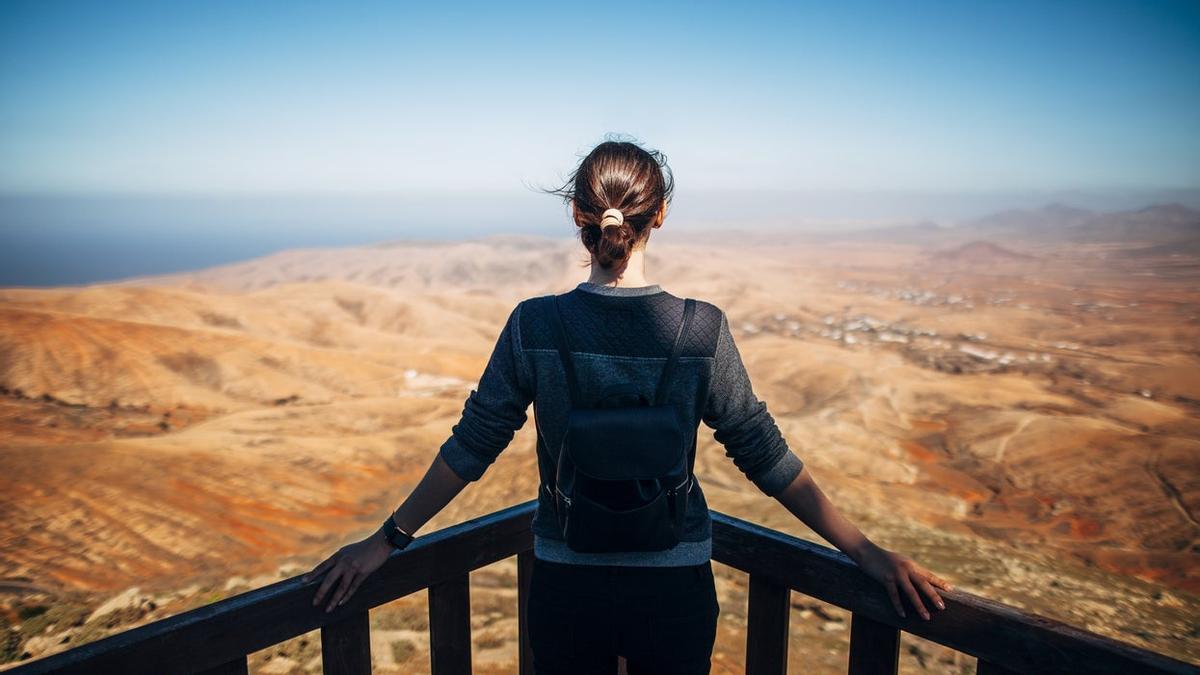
[348, 568]
[896, 571]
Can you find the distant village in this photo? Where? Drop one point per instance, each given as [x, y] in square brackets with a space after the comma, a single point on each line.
[960, 352]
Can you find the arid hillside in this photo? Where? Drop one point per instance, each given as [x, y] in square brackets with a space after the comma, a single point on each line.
[1017, 410]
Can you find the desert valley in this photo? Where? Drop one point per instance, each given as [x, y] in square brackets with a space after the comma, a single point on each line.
[1013, 401]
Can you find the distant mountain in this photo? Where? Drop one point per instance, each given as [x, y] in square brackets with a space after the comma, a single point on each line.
[978, 252]
[1053, 223]
[1160, 223]
[1049, 217]
[1156, 224]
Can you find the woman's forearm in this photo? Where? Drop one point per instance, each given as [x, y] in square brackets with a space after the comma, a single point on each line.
[437, 488]
[806, 501]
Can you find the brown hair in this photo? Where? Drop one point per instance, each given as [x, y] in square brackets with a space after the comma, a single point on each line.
[622, 175]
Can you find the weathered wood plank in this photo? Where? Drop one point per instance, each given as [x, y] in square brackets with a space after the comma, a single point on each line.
[983, 628]
[767, 617]
[874, 647]
[346, 645]
[450, 626]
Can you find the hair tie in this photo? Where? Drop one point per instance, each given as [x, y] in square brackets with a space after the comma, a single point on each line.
[611, 217]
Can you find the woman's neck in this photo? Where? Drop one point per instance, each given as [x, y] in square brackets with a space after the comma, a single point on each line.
[631, 274]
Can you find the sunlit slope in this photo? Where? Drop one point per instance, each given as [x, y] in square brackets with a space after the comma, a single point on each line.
[171, 347]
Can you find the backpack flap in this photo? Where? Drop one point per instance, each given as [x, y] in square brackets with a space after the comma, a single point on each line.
[634, 443]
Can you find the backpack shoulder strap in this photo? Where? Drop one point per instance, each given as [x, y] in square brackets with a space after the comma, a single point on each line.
[564, 351]
[689, 309]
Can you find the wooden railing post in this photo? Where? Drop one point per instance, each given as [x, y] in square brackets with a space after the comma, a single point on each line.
[524, 576]
[767, 627]
[450, 626]
[346, 645]
[874, 647]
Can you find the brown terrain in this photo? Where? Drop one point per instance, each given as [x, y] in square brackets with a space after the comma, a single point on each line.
[1014, 402]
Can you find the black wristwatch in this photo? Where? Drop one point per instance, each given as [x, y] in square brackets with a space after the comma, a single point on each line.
[396, 536]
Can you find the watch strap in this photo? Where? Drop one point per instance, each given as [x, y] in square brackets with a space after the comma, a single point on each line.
[394, 535]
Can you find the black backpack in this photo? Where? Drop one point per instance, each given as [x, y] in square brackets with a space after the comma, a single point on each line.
[624, 469]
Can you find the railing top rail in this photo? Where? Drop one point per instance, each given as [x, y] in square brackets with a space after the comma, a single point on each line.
[215, 634]
[994, 631]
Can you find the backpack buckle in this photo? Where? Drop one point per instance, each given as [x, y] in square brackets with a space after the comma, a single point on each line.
[675, 490]
[565, 498]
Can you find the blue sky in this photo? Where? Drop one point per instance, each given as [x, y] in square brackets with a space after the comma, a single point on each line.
[171, 97]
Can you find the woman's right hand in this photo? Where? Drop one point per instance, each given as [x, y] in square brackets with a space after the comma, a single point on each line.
[348, 568]
[896, 571]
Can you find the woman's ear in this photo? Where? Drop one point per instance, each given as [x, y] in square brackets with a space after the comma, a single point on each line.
[662, 215]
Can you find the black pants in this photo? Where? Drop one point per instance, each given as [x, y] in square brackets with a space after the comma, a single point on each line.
[663, 620]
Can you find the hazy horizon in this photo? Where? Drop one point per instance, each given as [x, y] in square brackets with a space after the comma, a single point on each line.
[55, 240]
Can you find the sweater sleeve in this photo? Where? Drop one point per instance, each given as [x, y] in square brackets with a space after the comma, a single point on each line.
[741, 422]
[494, 411]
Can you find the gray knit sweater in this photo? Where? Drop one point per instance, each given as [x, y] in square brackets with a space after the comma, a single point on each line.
[618, 335]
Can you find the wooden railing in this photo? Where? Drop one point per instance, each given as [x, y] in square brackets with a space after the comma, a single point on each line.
[217, 638]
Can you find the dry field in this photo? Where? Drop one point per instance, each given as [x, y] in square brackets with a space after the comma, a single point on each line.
[1018, 410]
